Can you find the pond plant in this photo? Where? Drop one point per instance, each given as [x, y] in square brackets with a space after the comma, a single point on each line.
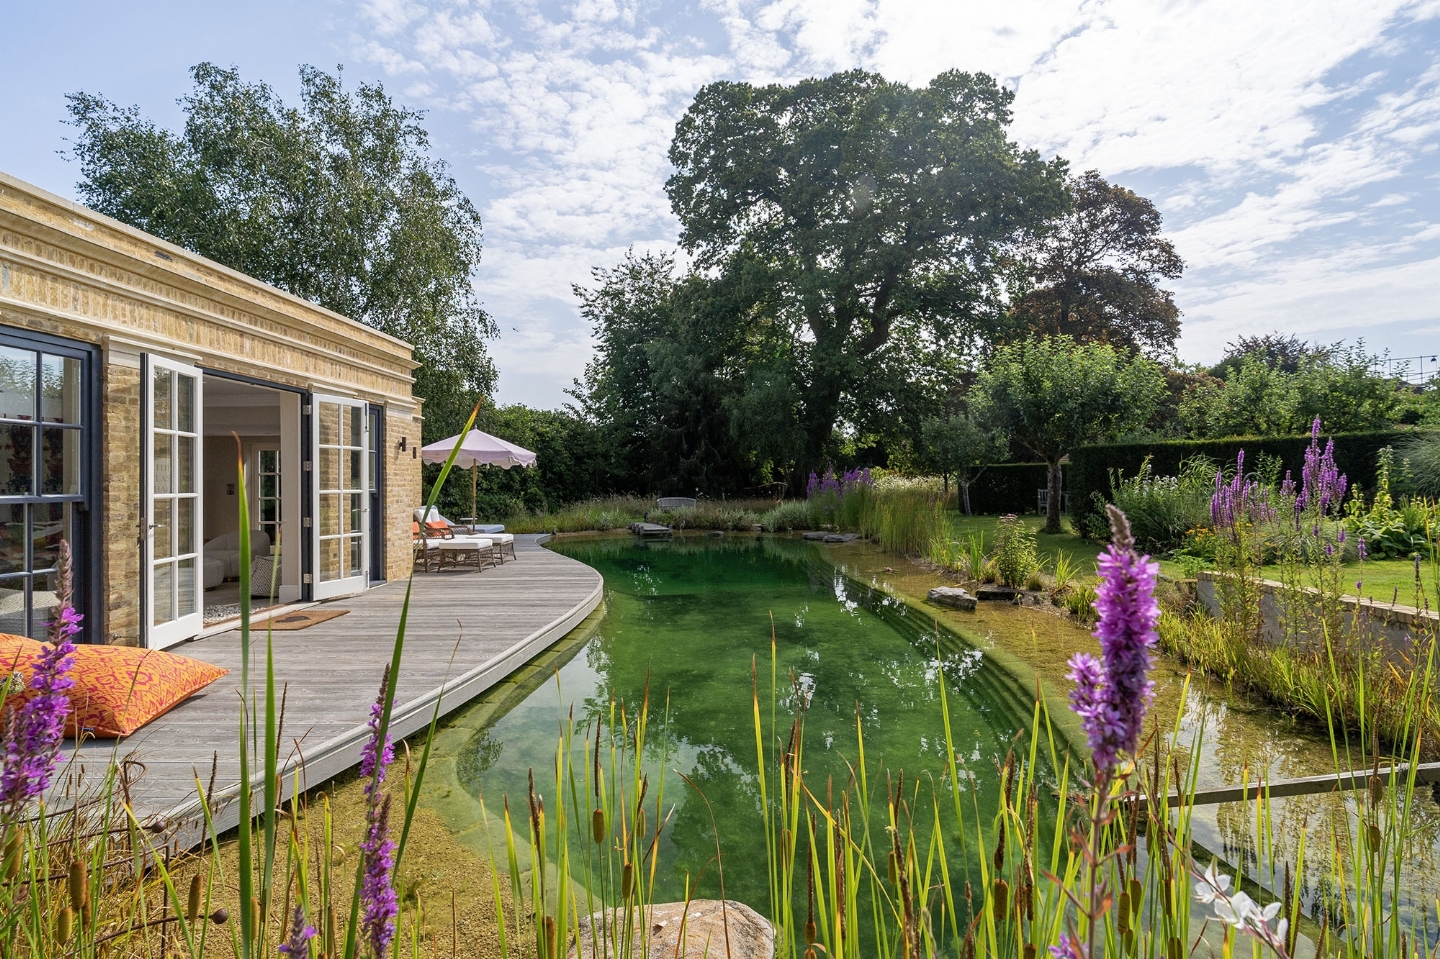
[1090, 852]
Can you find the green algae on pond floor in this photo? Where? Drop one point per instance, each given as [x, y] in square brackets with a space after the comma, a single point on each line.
[692, 617]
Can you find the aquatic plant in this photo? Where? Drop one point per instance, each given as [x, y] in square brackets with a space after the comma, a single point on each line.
[1014, 547]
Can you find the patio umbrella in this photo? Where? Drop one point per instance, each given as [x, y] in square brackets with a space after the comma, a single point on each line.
[477, 449]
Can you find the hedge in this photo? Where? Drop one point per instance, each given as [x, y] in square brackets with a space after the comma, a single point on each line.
[1089, 468]
[1005, 488]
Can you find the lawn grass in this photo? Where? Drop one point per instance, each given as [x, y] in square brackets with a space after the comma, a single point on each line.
[1383, 580]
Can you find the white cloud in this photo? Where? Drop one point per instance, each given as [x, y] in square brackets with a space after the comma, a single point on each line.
[1288, 142]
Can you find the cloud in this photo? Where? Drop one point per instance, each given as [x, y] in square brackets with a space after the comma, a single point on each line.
[1290, 144]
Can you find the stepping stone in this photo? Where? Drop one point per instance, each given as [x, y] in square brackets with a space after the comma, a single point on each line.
[817, 534]
[992, 591]
[839, 537]
[952, 596]
[705, 926]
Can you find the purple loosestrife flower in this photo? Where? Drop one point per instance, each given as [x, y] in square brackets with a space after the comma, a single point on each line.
[1067, 948]
[1360, 548]
[301, 932]
[31, 743]
[1112, 695]
[371, 770]
[378, 903]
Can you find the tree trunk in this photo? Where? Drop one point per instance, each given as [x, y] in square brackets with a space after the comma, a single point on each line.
[1052, 497]
[965, 492]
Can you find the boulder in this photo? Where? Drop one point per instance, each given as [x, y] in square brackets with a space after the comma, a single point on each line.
[952, 596]
[816, 534]
[839, 537]
[705, 924]
[994, 591]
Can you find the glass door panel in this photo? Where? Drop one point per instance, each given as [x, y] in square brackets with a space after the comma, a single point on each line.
[341, 513]
[173, 467]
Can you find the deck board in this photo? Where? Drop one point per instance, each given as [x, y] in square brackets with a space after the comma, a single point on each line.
[467, 631]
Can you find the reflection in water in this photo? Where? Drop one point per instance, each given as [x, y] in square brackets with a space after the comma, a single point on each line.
[690, 616]
[689, 619]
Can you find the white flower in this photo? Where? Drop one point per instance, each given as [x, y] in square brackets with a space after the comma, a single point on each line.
[1212, 885]
[1236, 911]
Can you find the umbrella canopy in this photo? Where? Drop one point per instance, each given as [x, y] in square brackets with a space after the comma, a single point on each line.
[478, 449]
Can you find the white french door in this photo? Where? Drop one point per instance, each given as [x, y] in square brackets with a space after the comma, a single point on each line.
[172, 450]
[341, 505]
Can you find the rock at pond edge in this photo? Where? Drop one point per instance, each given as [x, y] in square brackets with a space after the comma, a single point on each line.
[952, 596]
[751, 936]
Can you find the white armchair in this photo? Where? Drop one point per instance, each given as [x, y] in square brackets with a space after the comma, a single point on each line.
[226, 548]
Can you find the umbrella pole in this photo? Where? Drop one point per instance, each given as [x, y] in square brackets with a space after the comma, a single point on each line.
[474, 474]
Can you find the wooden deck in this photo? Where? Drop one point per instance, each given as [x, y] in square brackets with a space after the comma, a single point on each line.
[501, 617]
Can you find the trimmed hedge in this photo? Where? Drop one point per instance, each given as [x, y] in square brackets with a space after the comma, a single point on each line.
[1005, 488]
[1089, 467]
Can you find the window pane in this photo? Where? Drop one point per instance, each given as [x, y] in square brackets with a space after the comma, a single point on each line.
[164, 593]
[12, 540]
[269, 488]
[17, 460]
[12, 605]
[269, 511]
[164, 470]
[352, 481]
[59, 461]
[329, 469]
[353, 512]
[164, 544]
[185, 583]
[17, 383]
[269, 461]
[329, 560]
[329, 423]
[185, 464]
[51, 528]
[184, 403]
[60, 388]
[353, 434]
[45, 602]
[164, 380]
[186, 525]
[329, 514]
[354, 542]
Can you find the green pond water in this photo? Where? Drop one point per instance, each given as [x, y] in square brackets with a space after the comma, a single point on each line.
[690, 617]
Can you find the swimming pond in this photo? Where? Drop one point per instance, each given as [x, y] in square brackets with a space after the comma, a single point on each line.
[689, 620]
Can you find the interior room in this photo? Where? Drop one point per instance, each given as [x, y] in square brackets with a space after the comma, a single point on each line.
[267, 422]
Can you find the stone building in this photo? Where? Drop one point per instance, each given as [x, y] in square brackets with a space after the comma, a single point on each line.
[137, 380]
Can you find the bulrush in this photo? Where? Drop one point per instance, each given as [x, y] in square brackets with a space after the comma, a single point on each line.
[1111, 695]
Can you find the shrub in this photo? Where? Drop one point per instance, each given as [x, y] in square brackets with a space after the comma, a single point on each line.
[1420, 453]
[790, 515]
[1015, 555]
[1162, 509]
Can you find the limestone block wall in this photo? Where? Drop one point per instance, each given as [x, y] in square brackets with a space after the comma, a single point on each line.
[70, 272]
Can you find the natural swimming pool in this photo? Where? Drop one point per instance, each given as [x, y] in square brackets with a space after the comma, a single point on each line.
[691, 617]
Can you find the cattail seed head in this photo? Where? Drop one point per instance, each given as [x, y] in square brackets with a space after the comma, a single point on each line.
[192, 906]
[627, 880]
[79, 885]
[65, 924]
[809, 932]
[1137, 892]
[597, 826]
[1000, 900]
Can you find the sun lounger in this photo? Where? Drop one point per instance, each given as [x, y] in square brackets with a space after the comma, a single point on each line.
[502, 541]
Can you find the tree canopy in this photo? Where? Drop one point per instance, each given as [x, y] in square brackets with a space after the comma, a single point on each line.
[1051, 395]
[1094, 273]
[337, 200]
[873, 215]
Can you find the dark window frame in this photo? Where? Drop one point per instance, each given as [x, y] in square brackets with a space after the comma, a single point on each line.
[87, 532]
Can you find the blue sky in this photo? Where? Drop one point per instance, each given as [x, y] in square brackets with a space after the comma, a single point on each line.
[1293, 146]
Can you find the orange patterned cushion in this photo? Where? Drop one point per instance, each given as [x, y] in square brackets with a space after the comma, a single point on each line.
[117, 689]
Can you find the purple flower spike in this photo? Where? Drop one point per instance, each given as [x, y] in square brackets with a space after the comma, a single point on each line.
[30, 746]
[378, 903]
[1360, 548]
[1112, 695]
[370, 770]
[1066, 948]
[298, 943]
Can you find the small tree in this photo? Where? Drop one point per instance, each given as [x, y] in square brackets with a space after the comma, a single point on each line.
[1052, 395]
[959, 445]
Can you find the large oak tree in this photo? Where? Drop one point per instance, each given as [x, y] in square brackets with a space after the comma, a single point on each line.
[876, 216]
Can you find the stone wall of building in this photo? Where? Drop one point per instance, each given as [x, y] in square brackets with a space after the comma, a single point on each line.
[70, 272]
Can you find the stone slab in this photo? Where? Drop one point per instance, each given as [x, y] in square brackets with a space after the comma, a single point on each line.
[952, 596]
[705, 923]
